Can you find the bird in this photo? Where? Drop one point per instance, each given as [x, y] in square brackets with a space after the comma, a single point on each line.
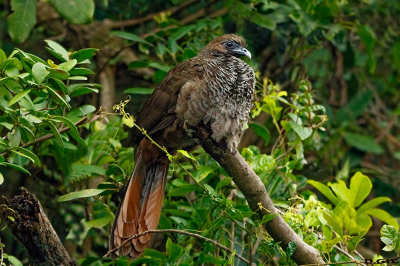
[214, 88]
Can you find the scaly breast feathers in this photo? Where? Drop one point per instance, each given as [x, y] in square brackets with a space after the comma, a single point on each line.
[223, 98]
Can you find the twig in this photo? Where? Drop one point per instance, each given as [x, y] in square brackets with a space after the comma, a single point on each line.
[348, 255]
[178, 232]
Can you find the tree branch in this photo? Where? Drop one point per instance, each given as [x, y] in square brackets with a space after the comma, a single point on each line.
[255, 193]
[178, 232]
[29, 224]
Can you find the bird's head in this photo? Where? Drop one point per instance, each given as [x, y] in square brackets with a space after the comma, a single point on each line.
[229, 44]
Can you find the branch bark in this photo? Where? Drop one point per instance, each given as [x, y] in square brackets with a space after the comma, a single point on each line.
[255, 193]
[30, 225]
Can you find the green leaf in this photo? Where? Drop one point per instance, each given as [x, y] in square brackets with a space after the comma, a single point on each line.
[343, 192]
[181, 32]
[130, 37]
[58, 83]
[21, 22]
[261, 131]
[57, 96]
[337, 228]
[360, 186]
[303, 132]
[364, 222]
[14, 261]
[174, 251]
[372, 204]
[81, 72]
[263, 21]
[84, 54]
[56, 133]
[268, 217]
[383, 216]
[5, 80]
[224, 182]
[100, 222]
[368, 37]
[262, 162]
[327, 232]
[327, 246]
[154, 254]
[39, 72]
[57, 50]
[291, 249]
[141, 91]
[75, 11]
[203, 172]
[183, 190]
[58, 73]
[19, 168]
[73, 128]
[18, 96]
[1, 178]
[390, 237]
[389, 244]
[343, 174]
[83, 91]
[353, 242]
[36, 59]
[81, 111]
[363, 143]
[10, 64]
[80, 194]
[159, 66]
[137, 64]
[3, 56]
[67, 66]
[186, 154]
[86, 169]
[389, 231]
[206, 259]
[14, 138]
[77, 78]
[28, 154]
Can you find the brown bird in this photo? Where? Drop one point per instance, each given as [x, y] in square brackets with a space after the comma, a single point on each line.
[214, 88]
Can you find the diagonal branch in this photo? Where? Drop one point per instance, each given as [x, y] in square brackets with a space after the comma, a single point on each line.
[256, 195]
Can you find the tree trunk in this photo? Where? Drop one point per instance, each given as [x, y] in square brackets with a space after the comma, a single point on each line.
[29, 224]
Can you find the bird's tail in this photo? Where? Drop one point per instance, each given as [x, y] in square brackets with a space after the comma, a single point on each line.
[140, 208]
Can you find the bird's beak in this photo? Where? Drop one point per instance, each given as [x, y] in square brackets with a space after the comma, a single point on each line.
[240, 51]
[246, 53]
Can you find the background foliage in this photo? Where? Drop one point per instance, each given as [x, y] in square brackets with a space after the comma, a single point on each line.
[324, 135]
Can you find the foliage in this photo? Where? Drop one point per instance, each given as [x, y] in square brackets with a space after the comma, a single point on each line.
[326, 109]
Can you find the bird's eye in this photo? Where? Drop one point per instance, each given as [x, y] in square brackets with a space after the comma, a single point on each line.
[229, 44]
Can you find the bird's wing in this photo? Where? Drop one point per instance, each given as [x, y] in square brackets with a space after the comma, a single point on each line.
[159, 110]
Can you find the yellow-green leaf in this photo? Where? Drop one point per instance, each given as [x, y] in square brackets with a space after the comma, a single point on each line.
[383, 216]
[19, 96]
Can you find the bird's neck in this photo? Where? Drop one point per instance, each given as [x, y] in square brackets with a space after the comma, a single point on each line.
[214, 54]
